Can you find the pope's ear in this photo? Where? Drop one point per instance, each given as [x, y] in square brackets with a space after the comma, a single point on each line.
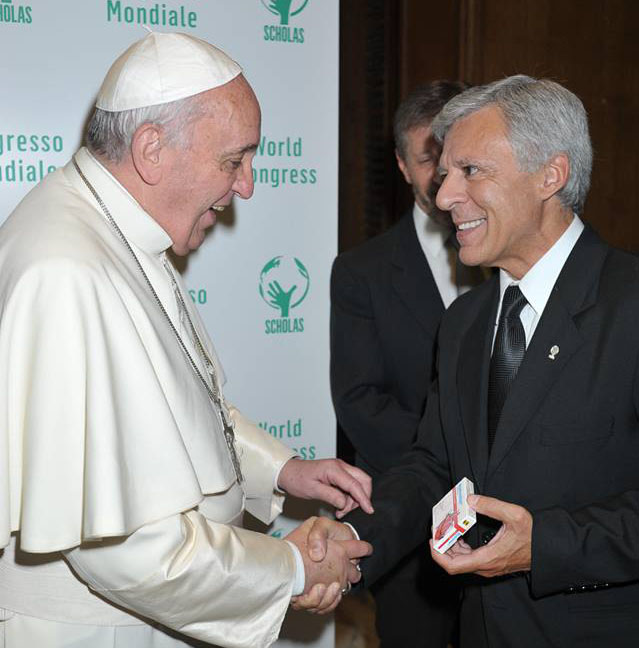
[555, 174]
[146, 147]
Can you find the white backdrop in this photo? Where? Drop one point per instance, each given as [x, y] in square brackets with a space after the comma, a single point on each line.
[261, 278]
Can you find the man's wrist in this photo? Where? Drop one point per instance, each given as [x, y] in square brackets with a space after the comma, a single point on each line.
[277, 488]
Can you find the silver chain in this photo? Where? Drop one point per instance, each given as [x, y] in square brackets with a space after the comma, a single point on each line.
[212, 390]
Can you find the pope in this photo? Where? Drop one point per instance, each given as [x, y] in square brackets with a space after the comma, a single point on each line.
[125, 471]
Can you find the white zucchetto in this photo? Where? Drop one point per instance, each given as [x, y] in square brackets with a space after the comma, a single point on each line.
[164, 67]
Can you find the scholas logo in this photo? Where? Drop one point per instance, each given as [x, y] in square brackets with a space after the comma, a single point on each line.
[10, 13]
[284, 285]
[284, 10]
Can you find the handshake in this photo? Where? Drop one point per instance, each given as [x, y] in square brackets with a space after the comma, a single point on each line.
[330, 551]
[331, 554]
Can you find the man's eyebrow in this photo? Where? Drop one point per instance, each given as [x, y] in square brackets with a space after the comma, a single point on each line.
[462, 162]
[249, 148]
[459, 163]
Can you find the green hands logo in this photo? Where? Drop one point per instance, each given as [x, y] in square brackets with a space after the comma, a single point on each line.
[284, 283]
[283, 9]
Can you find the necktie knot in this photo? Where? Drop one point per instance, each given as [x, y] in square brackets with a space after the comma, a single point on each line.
[513, 303]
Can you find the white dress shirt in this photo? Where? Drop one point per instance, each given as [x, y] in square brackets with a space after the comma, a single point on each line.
[537, 284]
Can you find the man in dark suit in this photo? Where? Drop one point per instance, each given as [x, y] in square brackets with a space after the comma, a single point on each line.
[540, 407]
[388, 296]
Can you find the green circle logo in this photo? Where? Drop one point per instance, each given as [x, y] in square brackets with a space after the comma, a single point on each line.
[285, 8]
[284, 283]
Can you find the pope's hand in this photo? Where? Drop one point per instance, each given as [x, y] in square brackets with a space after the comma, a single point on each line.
[509, 551]
[330, 480]
[325, 578]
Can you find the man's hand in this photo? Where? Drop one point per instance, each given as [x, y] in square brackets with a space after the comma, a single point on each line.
[325, 578]
[330, 480]
[509, 551]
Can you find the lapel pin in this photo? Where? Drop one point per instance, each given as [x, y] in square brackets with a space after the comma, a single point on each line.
[554, 350]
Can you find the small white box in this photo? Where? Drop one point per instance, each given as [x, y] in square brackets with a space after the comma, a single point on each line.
[452, 516]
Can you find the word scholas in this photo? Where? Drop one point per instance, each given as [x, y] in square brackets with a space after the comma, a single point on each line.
[284, 325]
[283, 34]
[15, 14]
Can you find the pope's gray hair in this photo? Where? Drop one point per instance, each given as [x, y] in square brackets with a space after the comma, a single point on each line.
[543, 119]
[109, 134]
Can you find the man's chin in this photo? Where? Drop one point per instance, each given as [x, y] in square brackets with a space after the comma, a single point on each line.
[180, 250]
[471, 256]
[196, 240]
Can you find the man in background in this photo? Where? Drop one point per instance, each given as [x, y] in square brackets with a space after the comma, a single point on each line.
[388, 296]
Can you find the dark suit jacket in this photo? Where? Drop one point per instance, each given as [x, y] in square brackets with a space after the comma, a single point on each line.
[567, 449]
[385, 312]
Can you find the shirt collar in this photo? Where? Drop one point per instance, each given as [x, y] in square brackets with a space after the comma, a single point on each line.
[537, 284]
[136, 224]
[432, 235]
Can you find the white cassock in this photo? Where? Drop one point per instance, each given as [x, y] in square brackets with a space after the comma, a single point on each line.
[112, 457]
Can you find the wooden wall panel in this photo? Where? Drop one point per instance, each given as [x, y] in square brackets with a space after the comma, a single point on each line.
[369, 56]
[591, 47]
[429, 42]
[390, 46]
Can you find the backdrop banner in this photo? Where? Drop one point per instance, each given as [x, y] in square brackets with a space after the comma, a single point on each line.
[261, 278]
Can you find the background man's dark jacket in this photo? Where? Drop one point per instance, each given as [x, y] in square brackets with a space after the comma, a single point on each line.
[385, 313]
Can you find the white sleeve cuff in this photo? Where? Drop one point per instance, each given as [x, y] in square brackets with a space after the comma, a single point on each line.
[352, 528]
[300, 578]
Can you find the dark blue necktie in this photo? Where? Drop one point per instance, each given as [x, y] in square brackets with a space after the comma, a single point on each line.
[508, 352]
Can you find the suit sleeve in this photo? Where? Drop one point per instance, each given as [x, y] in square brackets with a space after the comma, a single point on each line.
[377, 425]
[404, 496]
[587, 549]
[215, 582]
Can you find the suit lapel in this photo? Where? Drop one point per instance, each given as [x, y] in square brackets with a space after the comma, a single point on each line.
[412, 279]
[574, 292]
[537, 374]
[472, 379]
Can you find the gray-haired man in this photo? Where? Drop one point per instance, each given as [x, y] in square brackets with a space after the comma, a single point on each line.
[536, 398]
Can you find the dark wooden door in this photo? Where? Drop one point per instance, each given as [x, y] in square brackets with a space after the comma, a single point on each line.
[390, 46]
